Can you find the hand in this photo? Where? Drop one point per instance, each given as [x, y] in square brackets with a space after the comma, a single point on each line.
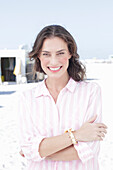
[91, 131]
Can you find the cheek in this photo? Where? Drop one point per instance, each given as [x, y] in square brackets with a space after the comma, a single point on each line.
[64, 60]
[43, 62]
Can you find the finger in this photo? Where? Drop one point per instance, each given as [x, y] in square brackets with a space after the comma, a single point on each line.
[101, 135]
[99, 138]
[92, 119]
[101, 125]
[102, 130]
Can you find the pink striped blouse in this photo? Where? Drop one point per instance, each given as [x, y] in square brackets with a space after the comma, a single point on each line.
[40, 117]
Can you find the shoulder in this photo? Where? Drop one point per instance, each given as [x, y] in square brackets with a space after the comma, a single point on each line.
[89, 86]
[30, 90]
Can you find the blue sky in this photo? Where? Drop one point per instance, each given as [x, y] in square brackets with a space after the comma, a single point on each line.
[89, 21]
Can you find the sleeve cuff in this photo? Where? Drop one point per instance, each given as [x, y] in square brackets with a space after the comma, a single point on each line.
[84, 152]
[31, 151]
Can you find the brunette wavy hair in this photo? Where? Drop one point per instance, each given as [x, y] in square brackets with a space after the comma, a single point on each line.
[76, 69]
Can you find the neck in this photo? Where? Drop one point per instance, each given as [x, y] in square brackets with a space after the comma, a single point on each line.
[57, 84]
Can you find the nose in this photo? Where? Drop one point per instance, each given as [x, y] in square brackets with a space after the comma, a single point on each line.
[53, 60]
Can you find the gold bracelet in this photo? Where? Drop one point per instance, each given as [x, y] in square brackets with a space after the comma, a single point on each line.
[74, 142]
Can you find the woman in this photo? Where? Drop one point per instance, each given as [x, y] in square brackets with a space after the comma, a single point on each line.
[60, 119]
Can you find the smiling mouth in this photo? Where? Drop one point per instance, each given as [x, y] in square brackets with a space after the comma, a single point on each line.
[54, 68]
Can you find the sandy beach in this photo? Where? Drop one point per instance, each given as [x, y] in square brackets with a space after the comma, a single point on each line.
[102, 73]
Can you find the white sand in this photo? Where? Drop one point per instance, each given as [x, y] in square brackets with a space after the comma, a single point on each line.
[102, 73]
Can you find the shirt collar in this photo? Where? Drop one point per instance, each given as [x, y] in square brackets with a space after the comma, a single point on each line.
[41, 89]
[71, 85]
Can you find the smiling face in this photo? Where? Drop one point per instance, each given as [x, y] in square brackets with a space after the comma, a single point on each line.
[55, 57]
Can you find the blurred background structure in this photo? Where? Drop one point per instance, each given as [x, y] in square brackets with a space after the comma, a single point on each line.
[12, 65]
[16, 68]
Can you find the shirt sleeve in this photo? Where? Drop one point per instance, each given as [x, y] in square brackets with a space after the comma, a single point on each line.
[89, 150]
[29, 136]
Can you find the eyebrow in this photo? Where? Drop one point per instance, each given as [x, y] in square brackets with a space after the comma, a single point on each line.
[45, 51]
[61, 50]
[56, 51]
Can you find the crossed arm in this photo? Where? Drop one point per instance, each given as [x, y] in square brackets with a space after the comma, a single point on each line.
[60, 148]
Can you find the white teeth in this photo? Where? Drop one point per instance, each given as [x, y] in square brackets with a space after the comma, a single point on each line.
[54, 69]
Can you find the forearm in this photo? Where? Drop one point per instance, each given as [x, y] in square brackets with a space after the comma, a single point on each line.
[51, 145]
[67, 154]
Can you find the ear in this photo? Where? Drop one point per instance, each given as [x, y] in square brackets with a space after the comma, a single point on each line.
[38, 57]
[69, 56]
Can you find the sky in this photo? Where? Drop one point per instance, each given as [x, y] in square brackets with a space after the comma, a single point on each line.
[89, 21]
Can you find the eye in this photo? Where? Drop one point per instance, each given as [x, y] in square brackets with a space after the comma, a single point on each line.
[45, 54]
[61, 53]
